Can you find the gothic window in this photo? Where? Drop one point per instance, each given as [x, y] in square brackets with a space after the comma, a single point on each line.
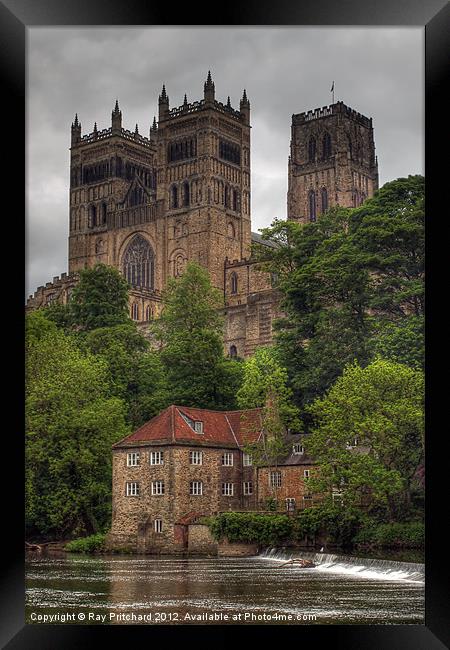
[174, 197]
[138, 263]
[135, 311]
[230, 230]
[227, 197]
[103, 213]
[178, 266]
[186, 193]
[326, 146]
[234, 283]
[92, 219]
[235, 200]
[350, 148]
[312, 205]
[233, 351]
[312, 150]
[148, 313]
[99, 246]
[324, 194]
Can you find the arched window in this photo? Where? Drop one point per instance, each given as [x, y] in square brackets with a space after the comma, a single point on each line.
[103, 213]
[233, 351]
[230, 230]
[234, 283]
[174, 196]
[312, 205]
[235, 200]
[92, 218]
[148, 313]
[227, 197]
[312, 150]
[135, 311]
[324, 196]
[138, 263]
[186, 193]
[326, 145]
[350, 147]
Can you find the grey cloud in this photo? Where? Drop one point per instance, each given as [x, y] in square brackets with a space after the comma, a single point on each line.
[377, 71]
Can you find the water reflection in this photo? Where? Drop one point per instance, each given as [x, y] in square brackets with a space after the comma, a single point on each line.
[176, 587]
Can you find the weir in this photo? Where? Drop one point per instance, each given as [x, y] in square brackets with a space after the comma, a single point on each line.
[363, 567]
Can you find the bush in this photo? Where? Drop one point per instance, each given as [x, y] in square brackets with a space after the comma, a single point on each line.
[92, 544]
[394, 535]
[337, 524]
[250, 527]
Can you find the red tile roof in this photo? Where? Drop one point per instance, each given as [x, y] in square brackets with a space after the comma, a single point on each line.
[228, 428]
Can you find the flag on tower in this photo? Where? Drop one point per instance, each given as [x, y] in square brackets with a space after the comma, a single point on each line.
[332, 88]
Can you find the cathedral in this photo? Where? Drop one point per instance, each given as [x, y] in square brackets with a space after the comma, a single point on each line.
[148, 205]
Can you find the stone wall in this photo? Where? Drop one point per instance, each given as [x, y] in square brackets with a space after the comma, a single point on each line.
[228, 549]
[200, 540]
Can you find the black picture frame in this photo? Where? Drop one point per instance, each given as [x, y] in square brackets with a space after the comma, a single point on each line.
[15, 17]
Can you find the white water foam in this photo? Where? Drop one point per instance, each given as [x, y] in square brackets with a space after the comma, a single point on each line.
[368, 568]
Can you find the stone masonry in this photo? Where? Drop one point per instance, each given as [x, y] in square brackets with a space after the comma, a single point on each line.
[148, 205]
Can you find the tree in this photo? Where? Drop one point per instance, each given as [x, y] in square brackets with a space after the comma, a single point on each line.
[136, 372]
[265, 385]
[71, 423]
[190, 332]
[100, 299]
[349, 283]
[368, 434]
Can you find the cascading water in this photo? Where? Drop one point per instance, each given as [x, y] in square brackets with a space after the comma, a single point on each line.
[350, 565]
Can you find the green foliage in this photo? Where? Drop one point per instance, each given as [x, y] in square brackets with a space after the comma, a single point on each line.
[251, 528]
[339, 525]
[92, 544]
[100, 299]
[353, 276]
[381, 406]
[402, 341]
[71, 423]
[265, 379]
[137, 374]
[59, 314]
[392, 535]
[190, 333]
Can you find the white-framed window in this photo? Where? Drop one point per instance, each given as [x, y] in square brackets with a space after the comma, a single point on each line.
[132, 459]
[227, 489]
[248, 488]
[297, 448]
[290, 504]
[227, 459]
[157, 488]
[156, 458]
[132, 489]
[306, 473]
[196, 458]
[158, 525]
[198, 426]
[275, 479]
[247, 460]
[196, 488]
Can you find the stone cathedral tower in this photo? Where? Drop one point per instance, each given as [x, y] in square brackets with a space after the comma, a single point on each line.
[148, 205]
[332, 161]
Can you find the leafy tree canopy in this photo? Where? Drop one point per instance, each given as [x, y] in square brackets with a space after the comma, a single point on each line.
[380, 410]
[100, 299]
[190, 332]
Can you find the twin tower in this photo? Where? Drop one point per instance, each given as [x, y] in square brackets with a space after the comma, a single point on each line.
[148, 205]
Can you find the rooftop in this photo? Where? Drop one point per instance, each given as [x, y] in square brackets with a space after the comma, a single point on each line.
[176, 424]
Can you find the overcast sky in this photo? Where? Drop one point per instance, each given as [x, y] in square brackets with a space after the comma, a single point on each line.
[377, 71]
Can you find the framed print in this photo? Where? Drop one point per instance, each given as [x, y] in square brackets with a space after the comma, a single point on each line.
[225, 331]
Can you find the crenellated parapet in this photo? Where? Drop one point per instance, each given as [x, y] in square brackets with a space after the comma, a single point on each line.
[333, 109]
[57, 291]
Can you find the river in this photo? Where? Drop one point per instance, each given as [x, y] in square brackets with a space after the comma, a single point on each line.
[257, 590]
